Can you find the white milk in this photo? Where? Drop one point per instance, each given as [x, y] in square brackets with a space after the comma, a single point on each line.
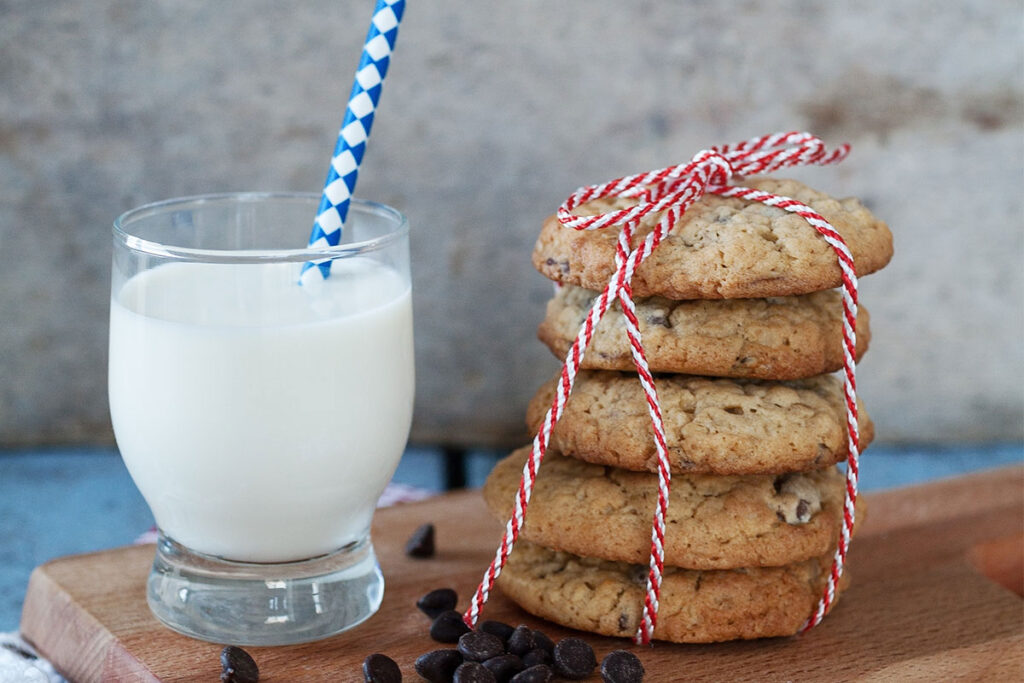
[261, 419]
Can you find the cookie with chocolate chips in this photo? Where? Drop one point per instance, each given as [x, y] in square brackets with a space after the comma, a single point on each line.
[696, 606]
[713, 522]
[712, 425]
[778, 338]
[722, 248]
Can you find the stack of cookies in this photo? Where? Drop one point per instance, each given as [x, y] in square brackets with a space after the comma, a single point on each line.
[742, 326]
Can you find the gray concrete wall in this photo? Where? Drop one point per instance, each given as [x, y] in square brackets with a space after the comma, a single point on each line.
[492, 114]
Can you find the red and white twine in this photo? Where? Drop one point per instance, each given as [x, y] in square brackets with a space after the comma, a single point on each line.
[672, 191]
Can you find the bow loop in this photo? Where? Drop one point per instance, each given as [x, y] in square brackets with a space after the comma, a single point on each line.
[679, 186]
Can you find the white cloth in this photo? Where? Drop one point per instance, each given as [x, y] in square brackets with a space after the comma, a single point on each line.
[20, 663]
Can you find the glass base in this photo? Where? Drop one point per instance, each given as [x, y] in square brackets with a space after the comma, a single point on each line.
[242, 603]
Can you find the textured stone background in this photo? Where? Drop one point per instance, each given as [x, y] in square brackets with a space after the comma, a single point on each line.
[492, 114]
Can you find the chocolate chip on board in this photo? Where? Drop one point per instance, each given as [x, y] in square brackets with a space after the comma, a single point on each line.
[421, 543]
[378, 668]
[574, 659]
[448, 627]
[438, 666]
[537, 655]
[543, 642]
[521, 641]
[621, 666]
[473, 672]
[479, 646]
[497, 628]
[437, 601]
[535, 674]
[504, 667]
[237, 666]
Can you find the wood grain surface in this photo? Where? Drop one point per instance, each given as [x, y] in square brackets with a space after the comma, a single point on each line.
[922, 605]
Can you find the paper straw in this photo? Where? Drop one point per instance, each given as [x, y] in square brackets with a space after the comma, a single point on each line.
[354, 132]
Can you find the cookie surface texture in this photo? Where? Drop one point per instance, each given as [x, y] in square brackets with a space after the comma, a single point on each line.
[723, 247]
[695, 606]
[713, 522]
[774, 338]
[712, 425]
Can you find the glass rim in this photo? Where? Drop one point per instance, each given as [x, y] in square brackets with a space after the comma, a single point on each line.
[123, 234]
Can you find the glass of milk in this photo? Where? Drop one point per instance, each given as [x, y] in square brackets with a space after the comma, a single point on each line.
[260, 418]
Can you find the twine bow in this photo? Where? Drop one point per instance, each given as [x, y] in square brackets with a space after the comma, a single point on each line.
[672, 191]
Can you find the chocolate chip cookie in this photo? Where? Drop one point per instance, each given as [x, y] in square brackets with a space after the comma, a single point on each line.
[695, 606]
[712, 425]
[775, 338]
[713, 522]
[722, 247]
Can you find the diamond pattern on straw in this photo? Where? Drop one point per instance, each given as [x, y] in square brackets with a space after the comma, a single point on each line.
[354, 132]
[673, 190]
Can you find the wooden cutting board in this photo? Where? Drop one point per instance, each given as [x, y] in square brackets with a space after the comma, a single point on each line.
[936, 569]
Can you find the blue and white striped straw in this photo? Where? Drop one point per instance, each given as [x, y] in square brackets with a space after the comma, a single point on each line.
[355, 132]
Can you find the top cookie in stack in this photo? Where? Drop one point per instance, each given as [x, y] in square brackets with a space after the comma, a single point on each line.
[722, 248]
[741, 325]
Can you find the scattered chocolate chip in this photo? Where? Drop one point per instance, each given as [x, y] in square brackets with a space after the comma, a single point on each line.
[378, 668]
[421, 543]
[504, 667]
[658, 320]
[574, 659]
[479, 646]
[803, 509]
[437, 601]
[621, 666]
[543, 642]
[448, 627]
[237, 666]
[537, 656]
[535, 674]
[473, 672]
[521, 641]
[438, 666]
[497, 628]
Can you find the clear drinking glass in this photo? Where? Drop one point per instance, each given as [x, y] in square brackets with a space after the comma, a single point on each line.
[260, 418]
